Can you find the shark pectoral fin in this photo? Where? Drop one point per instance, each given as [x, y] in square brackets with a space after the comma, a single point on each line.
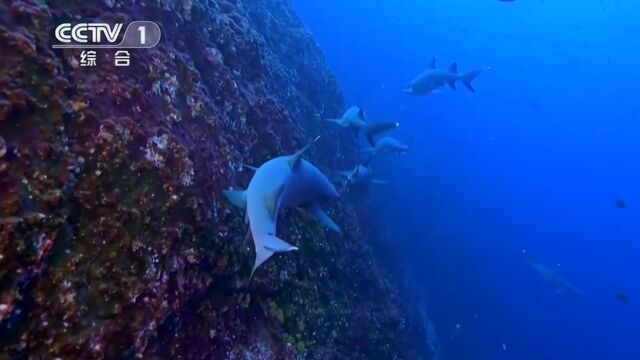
[452, 84]
[317, 212]
[250, 167]
[236, 197]
[294, 159]
[271, 202]
[379, 182]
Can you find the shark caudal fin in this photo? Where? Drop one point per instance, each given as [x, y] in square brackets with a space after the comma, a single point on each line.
[236, 197]
[468, 78]
[266, 246]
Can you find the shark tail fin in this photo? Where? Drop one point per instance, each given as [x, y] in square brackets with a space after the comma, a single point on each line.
[468, 78]
[270, 244]
[236, 197]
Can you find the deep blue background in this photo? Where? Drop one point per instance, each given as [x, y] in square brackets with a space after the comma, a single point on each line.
[534, 161]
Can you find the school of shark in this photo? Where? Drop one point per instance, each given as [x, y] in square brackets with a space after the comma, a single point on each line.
[290, 181]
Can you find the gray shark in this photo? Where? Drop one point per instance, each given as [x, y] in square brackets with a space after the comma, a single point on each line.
[361, 175]
[389, 145]
[373, 129]
[556, 281]
[433, 79]
[354, 119]
[285, 181]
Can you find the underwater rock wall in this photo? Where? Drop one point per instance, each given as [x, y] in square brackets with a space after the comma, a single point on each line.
[115, 241]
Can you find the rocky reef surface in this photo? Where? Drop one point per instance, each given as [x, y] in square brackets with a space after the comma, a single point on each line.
[115, 241]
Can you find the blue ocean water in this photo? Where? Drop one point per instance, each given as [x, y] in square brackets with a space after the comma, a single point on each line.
[527, 169]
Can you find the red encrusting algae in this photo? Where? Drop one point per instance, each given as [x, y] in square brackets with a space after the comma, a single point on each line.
[115, 241]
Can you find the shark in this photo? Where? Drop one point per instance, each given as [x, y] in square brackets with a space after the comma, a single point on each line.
[354, 119]
[279, 183]
[433, 79]
[556, 281]
[388, 145]
[361, 175]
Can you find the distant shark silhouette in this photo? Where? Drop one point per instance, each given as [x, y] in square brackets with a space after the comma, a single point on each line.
[556, 281]
[433, 79]
[285, 181]
[354, 119]
[361, 175]
[388, 145]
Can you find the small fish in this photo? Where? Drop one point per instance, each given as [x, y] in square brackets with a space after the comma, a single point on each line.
[623, 298]
[620, 203]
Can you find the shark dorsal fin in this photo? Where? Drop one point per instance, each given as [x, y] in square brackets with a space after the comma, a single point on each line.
[294, 159]
[271, 202]
[432, 64]
[453, 68]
